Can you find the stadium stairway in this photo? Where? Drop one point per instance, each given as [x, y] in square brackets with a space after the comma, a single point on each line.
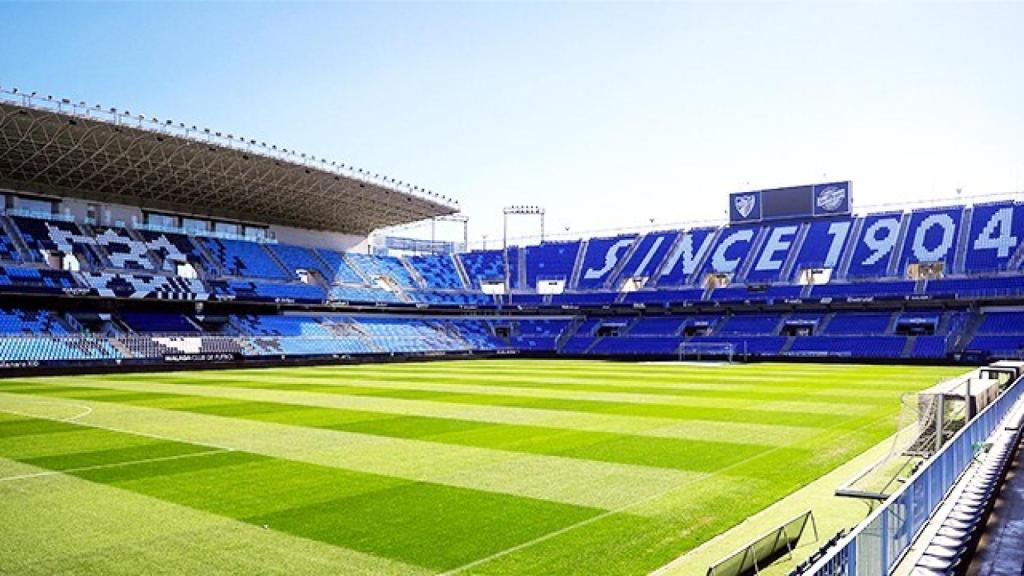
[577, 267]
[897, 250]
[15, 236]
[462, 273]
[960, 256]
[748, 260]
[842, 271]
[421, 283]
[614, 277]
[794, 252]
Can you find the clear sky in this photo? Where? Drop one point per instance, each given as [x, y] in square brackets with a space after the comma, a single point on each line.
[608, 115]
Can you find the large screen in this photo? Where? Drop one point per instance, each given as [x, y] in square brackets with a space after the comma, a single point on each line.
[790, 203]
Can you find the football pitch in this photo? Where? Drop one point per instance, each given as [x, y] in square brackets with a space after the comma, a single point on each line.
[505, 466]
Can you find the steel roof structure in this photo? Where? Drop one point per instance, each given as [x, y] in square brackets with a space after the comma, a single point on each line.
[57, 147]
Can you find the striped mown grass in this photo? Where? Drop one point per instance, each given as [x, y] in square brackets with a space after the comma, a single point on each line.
[478, 467]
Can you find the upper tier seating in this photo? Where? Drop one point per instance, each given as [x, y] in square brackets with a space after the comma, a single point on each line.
[600, 260]
[437, 270]
[123, 250]
[301, 258]
[932, 237]
[374, 266]
[690, 251]
[8, 250]
[338, 270]
[996, 232]
[648, 255]
[767, 264]
[822, 246]
[55, 235]
[488, 265]
[551, 260]
[172, 249]
[664, 296]
[731, 250]
[243, 259]
[873, 252]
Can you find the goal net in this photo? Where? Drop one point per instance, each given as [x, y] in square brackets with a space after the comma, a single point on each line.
[927, 419]
[706, 351]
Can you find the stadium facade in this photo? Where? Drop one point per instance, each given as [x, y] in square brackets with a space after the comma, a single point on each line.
[135, 241]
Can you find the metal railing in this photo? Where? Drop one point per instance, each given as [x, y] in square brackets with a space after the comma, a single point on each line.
[876, 545]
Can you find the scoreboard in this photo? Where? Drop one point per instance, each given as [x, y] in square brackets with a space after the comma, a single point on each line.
[790, 203]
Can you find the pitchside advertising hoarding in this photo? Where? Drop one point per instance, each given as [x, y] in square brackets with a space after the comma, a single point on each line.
[790, 203]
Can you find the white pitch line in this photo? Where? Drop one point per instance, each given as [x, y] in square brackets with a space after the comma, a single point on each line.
[112, 429]
[113, 465]
[625, 507]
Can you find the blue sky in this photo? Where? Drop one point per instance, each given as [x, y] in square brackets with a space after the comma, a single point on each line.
[609, 115]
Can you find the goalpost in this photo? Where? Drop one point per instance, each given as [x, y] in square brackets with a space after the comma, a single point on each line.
[706, 351]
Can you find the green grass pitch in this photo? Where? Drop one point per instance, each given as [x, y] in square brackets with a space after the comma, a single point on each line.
[465, 467]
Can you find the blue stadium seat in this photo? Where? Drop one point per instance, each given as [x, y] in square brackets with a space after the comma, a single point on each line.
[681, 265]
[301, 258]
[37, 280]
[56, 235]
[338, 270]
[243, 259]
[550, 261]
[648, 256]
[848, 346]
[996, 232]
[751, 324]
[600, 260]
[858, 323]
[158, 323]
[487, 265]
[123, 251]
[437, 270]
[387, 266]
[112, 285]
[822, 246]
[876, 245]
[255, 291]
[931, 237]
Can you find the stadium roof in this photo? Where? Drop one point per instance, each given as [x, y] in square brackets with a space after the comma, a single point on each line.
[55, 146]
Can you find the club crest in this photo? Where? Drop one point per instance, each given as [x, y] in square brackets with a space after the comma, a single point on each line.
[745, 204]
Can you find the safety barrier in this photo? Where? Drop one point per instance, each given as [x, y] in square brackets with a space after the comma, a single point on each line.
[876, 545]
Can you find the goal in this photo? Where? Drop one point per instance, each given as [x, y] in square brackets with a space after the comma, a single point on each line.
[706, 351]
